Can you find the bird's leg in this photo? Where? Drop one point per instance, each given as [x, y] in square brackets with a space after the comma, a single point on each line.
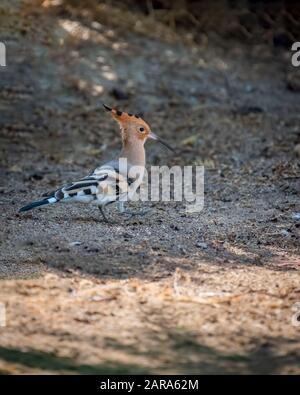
[101, 208]
[123, 210]
[121, 207]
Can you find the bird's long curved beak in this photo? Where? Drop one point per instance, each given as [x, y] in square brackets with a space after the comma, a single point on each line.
[153, 136]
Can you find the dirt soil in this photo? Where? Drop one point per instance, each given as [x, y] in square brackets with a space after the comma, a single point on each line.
[170, 292]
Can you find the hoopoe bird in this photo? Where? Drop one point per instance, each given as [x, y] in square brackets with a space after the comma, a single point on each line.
[114, 181]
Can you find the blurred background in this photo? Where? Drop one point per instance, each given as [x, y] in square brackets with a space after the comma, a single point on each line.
[172, 292]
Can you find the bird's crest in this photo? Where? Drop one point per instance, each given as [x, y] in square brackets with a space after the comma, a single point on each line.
[123, 117]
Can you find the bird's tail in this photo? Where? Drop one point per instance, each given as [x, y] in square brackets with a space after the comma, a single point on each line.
[39, 203]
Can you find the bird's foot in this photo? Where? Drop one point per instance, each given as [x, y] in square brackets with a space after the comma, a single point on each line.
[132, 214]
[106, 220]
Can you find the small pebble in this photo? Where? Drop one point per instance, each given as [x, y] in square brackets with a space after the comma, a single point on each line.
[202, 245]
[75, 243]
[297, 149]
[119, 94]
[296, 216]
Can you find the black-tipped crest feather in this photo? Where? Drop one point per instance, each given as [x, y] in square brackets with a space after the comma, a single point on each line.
[106, 107]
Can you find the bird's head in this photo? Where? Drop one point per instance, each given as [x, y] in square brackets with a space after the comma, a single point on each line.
[133, 127]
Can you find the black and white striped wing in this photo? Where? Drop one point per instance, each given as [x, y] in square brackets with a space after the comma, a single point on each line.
[102, 186]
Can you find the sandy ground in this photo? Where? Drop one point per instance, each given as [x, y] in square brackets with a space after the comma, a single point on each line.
[209, 292]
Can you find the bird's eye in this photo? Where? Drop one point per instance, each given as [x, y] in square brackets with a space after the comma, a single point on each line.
[141, 129]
